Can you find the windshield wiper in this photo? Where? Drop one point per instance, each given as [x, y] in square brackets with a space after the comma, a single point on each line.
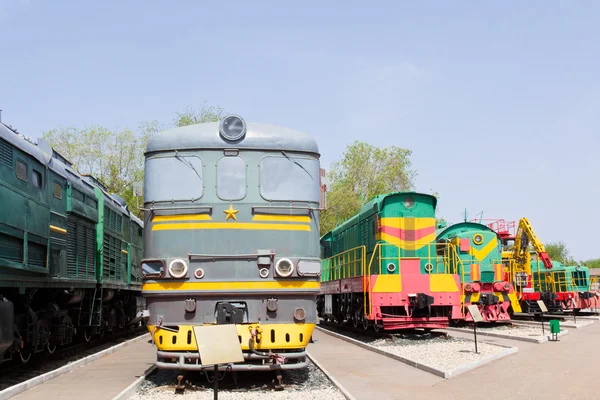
[298, 164]
[186, 162]
[189, 164]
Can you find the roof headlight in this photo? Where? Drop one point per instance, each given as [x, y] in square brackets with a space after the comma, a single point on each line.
[284, 267]
[178, 268]
[232, 127]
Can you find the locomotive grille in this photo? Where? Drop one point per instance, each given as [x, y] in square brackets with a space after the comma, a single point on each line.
[81, 254]
[112, 258]
[36, 255]
[5, 153]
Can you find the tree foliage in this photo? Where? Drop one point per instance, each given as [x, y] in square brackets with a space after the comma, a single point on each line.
[558, 251]
[205, 114]
[116, 157]
[363, 172]
[594, 263]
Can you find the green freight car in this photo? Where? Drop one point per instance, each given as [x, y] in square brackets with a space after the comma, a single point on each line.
[69, 253]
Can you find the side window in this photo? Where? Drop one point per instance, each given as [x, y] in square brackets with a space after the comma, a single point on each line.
[91, 202]
[57, 190]
[231, 178]
[36, 179]
[21, 170]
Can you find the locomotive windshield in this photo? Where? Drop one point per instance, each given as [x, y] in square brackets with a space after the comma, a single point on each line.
[286, 178]
[231, 178]
[173, 178]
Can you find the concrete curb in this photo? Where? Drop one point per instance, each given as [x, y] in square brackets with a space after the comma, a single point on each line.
[38, 380]
[472, 339]
[580, 324]
[131, 389]
[446, 374]
[341, 388]
[461, 370]
[537, 340]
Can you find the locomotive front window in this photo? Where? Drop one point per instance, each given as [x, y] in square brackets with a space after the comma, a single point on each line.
[173, 178]
[231, 178]
[289, 178]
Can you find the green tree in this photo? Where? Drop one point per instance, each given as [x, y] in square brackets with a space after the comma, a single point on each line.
[594, 263]
[363, 172]
[558, 251]
[116, 157]
[205, 114]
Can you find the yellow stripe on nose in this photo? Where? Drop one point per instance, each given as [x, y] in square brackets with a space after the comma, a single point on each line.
[281, 218]
[186, 217]
[231, 226]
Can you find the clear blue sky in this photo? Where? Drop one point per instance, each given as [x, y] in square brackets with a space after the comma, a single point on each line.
[499, 102]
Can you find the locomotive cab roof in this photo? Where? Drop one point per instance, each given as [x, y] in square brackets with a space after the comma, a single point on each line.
[253, 136]
[463, 227]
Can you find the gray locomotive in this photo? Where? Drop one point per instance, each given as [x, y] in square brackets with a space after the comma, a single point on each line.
[231, 211]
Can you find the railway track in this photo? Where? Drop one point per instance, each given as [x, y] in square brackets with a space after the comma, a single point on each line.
[360, 333]
[308, 383]
[14, 372]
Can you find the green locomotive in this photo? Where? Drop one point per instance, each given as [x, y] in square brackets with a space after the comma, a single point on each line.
[380, 268]
[569, 284]
[482, 273]
[69, 252]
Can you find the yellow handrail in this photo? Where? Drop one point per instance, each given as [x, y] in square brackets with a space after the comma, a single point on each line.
[346, 264]
[441, 258]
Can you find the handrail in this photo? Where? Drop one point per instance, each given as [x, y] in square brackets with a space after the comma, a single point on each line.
[449, 260]
[340, 265]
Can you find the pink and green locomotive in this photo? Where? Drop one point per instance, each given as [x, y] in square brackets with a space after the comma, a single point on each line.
[381, 267]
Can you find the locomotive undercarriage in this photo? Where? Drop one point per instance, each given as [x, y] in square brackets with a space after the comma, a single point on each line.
[44, 320]
[490, 307]
[270, 333]
[551, 300]
[418, 313]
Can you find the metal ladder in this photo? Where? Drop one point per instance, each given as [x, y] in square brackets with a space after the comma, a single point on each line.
[90, 313]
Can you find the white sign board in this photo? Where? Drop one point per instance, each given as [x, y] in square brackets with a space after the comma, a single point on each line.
[138, 189]
[218, 344]
[474, 310]
[542, 306]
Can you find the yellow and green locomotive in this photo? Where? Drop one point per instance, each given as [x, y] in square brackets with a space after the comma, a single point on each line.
[483, 275]
[232, 238]
[381, 269]
[67, 248]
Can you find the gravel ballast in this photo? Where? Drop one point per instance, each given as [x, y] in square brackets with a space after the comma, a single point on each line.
[526, 331]
[442, 352]
[307, 384]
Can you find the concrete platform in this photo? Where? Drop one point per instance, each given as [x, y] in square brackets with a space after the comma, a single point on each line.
[102, 379]
[557, 370]
[364, 374]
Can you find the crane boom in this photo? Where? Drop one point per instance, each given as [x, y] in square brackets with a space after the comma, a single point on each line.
[524, 236]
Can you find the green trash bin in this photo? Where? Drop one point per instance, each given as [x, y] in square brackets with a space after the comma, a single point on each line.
[554, 328]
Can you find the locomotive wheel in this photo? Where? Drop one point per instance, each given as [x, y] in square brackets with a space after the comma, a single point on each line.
[25, 355]
[50, 348]
[375, 326]
[355, 320]
[365, 323]
[87, 336]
